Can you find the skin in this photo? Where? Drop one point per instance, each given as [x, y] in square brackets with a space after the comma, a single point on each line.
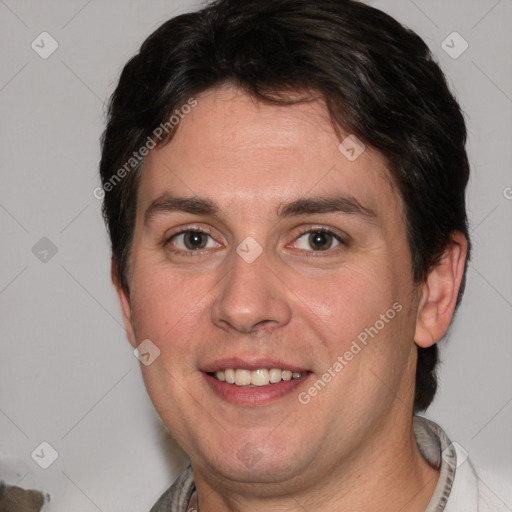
[352, 446]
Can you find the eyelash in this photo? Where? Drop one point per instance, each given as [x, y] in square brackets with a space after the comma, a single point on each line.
[310, 230]
[190, 229]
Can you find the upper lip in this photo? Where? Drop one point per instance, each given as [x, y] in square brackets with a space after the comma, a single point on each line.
[250, 364]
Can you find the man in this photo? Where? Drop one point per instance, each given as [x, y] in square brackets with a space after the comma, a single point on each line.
[284, 191]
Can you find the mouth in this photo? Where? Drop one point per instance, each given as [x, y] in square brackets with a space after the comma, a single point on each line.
[255, 378]
[252, 383]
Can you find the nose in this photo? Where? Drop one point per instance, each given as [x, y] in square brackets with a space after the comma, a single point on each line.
[251, 297]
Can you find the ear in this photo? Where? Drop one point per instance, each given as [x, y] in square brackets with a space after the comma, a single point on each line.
[124, 301]
[439, 292]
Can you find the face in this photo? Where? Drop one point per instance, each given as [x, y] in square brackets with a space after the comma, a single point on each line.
[261, 252]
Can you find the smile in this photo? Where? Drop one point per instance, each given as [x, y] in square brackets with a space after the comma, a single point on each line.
[255, 378]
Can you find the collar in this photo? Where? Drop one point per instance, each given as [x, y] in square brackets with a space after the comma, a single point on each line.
[440, 453]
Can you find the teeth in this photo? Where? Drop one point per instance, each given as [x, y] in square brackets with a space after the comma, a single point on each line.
[287, 375]
[261, 377]
[229, 376]
[275, 375]
[242, 377]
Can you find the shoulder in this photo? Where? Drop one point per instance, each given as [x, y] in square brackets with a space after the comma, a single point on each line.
[493, 495]
[461, 487]
[475, 490]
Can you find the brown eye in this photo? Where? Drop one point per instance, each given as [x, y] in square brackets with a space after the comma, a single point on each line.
[192, 240]
[317, 240]
[320, 240]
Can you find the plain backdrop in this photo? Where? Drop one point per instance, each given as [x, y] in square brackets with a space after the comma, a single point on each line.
[68, 375]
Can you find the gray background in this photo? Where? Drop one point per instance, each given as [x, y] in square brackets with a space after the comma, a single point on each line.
[69, 377]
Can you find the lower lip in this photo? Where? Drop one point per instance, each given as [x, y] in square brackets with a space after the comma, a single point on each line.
[257, 395]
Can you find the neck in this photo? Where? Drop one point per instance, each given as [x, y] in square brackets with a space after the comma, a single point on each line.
[389, 474]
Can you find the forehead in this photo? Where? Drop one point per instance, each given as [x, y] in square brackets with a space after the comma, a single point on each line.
[243, 153]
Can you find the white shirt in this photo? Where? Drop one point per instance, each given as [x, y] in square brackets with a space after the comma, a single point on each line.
[459, 488]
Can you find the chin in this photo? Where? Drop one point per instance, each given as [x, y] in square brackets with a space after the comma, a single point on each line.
[258, 463]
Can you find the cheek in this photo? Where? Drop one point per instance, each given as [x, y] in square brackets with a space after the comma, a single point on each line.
[347, 301]
[365, 331]
[165, 304]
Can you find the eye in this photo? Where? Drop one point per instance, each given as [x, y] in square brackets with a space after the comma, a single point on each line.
[318, 240]
[192, 240]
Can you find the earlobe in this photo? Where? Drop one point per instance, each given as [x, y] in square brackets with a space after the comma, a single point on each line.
[439, 292]
[125, 304]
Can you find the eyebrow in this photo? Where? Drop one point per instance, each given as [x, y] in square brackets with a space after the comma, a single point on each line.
[303, 206]
[331, 204]
[170, 203]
